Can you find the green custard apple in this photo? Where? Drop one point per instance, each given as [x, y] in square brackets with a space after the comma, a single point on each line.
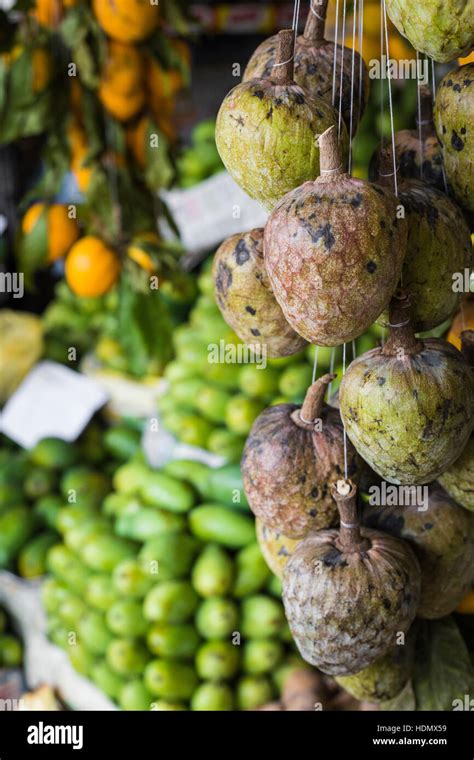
[454, 109]
[245, 298]
[349, 593]
[441, 533]
[443, 29]
[458, 480]
[266, 131]
[408, 407]
[314, 68]
[334, 251]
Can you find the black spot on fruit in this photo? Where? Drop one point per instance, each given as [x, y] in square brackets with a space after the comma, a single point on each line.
[428, 526]
[299, 98]
[381, 380]
[463, 130]
[250, 310]
[383, 224]
[314, 493]
[269, 113]
[259, 94]
[242, 253]
[223, 278]
[371, 267]
[456, 141]
[324, 233]
[334, 558]
[312, 68]
[313, 512]
[255, 332]
[356, 201]
[457, 88]
[386, 603]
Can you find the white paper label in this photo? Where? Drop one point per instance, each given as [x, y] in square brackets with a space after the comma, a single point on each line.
[52, 401]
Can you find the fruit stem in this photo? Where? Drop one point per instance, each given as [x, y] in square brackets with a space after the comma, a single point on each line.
[283, 69]
[424, 120]
[329, 154]
[315, 24]
[350, 539]
[313, 403]
[386, 172]
[401, 339]
[467, 346]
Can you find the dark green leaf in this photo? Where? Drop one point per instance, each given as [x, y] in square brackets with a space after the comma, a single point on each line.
[33, 250]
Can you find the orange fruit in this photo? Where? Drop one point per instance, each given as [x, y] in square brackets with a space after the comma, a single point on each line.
[51, 12]
[121, 88]
[75, 96]
[467, 59]
[127, 20]
[162, 83]
[62, 231]
[77, 139]
[464, 320]
[136, 137]
[41, 66]
[467, 605]
[92, 268]
[136, 252]
[122, 107]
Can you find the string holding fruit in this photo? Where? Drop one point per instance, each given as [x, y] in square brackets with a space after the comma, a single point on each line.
[408, 407]
[314, 67]
[266, 130]
[291, 458]
[334, 250]
[245, 298]
[349, 593]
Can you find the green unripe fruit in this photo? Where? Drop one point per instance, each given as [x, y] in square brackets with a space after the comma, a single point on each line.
[170, 602]
[217, 618]
[261, 656]
[253, 691]
[172, 641]
[135, 696]
[212, 696]
[213, 572]
[125, 618]
[170, 680]
[217, 661]
[262, 617]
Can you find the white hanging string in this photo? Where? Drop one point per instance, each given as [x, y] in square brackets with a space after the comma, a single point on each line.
[382, 95]
[343, 50]
[433, 77]
[335, 56]
[331, 369]
[389, 78]
[315, 364]
[361, 60]
[345, 431]
[418, 97]
[349, 169]
[314, 12]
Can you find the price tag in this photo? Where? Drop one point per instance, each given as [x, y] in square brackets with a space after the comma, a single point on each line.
[52, 401]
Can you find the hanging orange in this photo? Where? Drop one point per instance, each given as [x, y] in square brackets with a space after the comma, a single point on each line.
[51, 12]
[121, 88]
[464, 320]
[127, 20]
[92, 268]
[62, 230]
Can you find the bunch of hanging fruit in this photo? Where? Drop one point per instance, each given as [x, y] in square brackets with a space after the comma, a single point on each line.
[338, 253]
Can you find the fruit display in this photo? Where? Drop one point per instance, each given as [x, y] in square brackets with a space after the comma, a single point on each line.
[21, 345]
[11, 650]
[200, 159]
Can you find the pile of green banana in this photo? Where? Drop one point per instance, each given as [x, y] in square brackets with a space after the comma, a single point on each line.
[11, 650]
[160, 595]
[213, 404]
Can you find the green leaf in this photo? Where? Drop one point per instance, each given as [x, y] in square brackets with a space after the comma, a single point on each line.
[443, 670]
[159, 169]
[33, 249]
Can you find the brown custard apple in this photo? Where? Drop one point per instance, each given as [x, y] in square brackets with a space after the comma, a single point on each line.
[349, 593]
[291, 458]
[245, 298]
[275, 547]
[408, 407]
[385, 678]
[438, 248]
[454, 109]
[266, 131]
[314, 67]
[334, 250]
[418, 152]
[458, 480]
[443, 29]
[441, 534]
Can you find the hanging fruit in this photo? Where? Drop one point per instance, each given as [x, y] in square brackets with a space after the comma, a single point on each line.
[385, 678]
[266, 130]
[54, 230]
[92, 268]
[334, 251]
[438, 248]
[349, 593]
[441, 534]
[314, 67]
[127, 20]
[275, 547]
[245, 298]
[291, 458]
[418, 151]
[121, 88]
[454, 107]
[408, 407]
[464, 320]
[443, 30]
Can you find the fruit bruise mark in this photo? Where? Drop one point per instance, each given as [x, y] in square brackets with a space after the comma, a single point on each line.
[356, 202]
[371, 267]
[242, 253]
[255, 332]
[224, 278]
[258, 94]
[334, 558]
[323, 233]
[250, 310]
[456, 141]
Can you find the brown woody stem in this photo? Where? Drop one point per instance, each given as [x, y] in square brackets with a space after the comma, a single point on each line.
[467, 346]
[315, 24]
[283, 69]
[330, 160]
[313, 403]
[424, 120]
[350, 538]
[401, 339]
[386, 168]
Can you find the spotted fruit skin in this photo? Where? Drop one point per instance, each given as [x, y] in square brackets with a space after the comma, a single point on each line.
[345, 610]
[334, 251]
[443, 29]
[288, 471]
[275, 547]
[458, 480]
[454, 108]
[415, 159]
[245, 297]
[314, 71]
[266, 136]
[409, 416]
[385, 678]
[442, 537]
[439, 246]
